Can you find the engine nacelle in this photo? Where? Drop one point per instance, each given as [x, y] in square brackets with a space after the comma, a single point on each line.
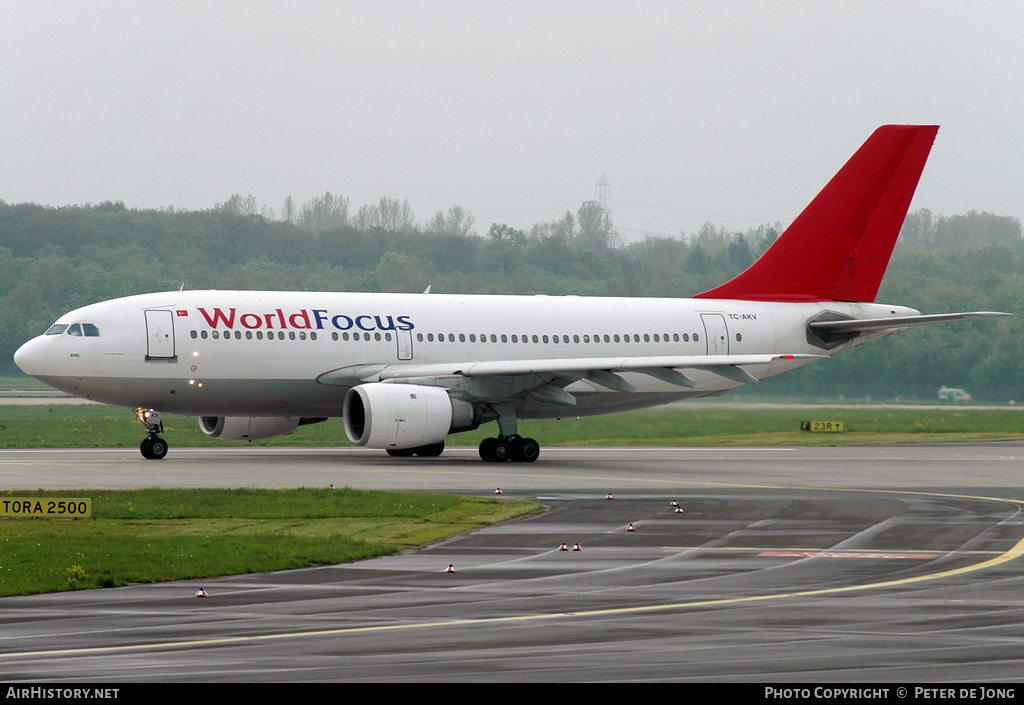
[247, 428]
[399, 416]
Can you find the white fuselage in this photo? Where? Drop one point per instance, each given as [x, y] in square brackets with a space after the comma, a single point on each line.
[249, 353]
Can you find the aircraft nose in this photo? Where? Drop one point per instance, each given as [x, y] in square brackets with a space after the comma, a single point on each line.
[31, 357]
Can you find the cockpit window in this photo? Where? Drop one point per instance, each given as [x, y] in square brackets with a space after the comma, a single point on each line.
[89, 330]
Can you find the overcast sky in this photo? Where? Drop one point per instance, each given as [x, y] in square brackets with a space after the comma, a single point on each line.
[733, 112]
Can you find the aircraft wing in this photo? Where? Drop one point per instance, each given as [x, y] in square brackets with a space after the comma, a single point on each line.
[545, 378]
[859, 325]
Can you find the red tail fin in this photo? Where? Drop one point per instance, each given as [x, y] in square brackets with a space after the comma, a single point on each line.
[838, 248]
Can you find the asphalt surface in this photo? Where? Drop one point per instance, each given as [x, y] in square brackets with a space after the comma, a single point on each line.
[896, 564]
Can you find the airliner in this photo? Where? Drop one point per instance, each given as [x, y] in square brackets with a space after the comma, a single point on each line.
[406, 370]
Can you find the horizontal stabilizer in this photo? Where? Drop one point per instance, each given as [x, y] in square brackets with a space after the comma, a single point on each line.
[859, 325]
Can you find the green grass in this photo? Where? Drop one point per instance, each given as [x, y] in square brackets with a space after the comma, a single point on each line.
[22, 383]
[64, 426]
[745, 426]
[142, 536]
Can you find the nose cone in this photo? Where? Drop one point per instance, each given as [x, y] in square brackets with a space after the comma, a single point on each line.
[31, 357]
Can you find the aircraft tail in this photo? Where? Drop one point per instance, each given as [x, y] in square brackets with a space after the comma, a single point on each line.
[839, 246]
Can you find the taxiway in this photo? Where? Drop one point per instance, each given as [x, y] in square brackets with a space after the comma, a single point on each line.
[889, 564]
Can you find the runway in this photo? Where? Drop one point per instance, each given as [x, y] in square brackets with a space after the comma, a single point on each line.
[897, 564]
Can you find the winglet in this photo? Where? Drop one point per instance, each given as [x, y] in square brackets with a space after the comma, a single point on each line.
[839, 246]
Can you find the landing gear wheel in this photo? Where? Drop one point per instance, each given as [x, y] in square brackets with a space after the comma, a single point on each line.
[502, 450]
[495, 450]
[153, 448]
[525, 450]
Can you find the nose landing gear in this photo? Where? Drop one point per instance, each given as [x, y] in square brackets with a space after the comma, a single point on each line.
[153, 447]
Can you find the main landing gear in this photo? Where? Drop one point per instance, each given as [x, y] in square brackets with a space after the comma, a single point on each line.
[153, 447]
[509, 445]
[514, 448]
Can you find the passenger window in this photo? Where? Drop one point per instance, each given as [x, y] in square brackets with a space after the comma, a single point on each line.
[192, 333]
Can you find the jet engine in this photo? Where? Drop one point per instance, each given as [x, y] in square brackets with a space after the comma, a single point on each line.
[401, 416]
[247, 428]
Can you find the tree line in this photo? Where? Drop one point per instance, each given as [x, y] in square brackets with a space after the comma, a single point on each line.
[53, 259]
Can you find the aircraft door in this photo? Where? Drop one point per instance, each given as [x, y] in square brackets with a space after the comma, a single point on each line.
[404, 344]
[715, 333]
[159, 335]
